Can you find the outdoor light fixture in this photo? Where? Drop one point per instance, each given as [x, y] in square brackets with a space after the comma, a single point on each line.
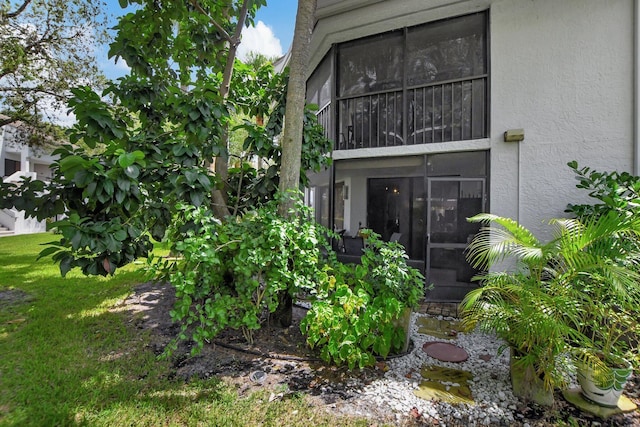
[514, 135]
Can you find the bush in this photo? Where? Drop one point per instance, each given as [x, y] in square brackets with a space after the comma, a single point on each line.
[614, 191]
[354, 316]
[229, 274]
[612, 324]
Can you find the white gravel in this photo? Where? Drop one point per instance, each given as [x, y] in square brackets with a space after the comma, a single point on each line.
[494, 405]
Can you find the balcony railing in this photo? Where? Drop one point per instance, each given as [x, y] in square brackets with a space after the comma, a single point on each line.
[453, 110]
[324, 120]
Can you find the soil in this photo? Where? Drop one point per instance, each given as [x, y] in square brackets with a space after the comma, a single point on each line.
[290, 366]
[280, 361]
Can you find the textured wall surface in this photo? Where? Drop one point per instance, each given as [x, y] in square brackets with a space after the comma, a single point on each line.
[563, 71]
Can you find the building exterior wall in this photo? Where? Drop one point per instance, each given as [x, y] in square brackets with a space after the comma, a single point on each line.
[560, 70]
[34, 163]
[563, 71]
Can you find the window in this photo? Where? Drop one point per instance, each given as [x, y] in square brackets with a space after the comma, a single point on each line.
[319, 93]
[419, 85]
[11, 167]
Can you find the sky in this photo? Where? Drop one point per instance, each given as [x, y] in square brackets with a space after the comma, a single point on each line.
[271, 36]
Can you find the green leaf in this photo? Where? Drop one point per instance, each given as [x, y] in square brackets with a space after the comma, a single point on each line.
[48, 251]
[107, 186]
[120, 195]
[126, 160]
[191, 176]
[123, 183]
[70, 165]
[132, 171]
[65, 265]
[196, 198]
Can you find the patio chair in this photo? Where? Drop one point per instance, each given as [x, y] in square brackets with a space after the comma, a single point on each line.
[353, 245]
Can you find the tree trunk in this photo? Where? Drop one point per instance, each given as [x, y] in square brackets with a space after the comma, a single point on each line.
[293, 126]
[221, 166]
[283, 315]
[294, 112]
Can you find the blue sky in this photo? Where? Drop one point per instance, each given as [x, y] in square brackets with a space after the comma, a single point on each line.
[271, 36]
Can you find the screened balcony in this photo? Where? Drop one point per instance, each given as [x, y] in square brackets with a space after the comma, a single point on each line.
[417, 85]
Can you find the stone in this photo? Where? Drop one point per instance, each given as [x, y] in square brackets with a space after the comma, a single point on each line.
[445, 351]
[574, 396]
[434, 389]
[437, 327]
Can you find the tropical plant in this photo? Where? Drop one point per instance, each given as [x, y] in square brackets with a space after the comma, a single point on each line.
[149, 153]
[619, 191]
[354, 315]
[539, 305]
[612, 325]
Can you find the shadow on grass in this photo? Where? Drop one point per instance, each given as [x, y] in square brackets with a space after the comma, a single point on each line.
[64, 366]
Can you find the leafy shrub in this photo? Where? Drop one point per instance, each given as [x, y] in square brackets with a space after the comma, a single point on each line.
[229, 274]
[618, 191]
[357, 306]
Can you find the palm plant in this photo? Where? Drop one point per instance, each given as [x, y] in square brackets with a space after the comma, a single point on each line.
[542, 298]
[619, 335]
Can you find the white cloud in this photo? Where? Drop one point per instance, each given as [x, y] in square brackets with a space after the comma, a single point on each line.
[56, 113]
[114, 69]
[260, 39]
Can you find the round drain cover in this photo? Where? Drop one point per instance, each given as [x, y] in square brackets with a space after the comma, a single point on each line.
[445, 351]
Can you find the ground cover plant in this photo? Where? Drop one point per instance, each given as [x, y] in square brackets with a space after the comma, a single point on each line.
[69, 357]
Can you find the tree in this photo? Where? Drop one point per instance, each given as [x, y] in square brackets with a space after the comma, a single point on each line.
[293, 130]
[152, 144]
[46, 49]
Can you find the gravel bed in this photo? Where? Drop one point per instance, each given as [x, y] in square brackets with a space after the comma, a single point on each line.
[495, 404]
[491, 387]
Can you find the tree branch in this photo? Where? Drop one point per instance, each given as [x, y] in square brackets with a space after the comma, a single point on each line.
[33, 90]
[211, 20]
[4, 120]
[233, 48]
[221, 166]
[18, 11]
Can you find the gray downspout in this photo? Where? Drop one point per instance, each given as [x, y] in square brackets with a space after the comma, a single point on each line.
[636, 87]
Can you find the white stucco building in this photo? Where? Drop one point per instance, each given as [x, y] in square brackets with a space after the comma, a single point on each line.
[18, 160]
[418, 95]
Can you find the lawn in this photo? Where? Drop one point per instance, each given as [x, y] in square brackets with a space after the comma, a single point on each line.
[67, 358]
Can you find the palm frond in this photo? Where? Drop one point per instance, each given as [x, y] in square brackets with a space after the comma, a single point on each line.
[492, 245]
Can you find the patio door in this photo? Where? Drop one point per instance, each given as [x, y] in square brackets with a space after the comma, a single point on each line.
[449, 202]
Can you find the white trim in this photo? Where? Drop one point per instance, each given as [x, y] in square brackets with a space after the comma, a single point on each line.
[413, 150]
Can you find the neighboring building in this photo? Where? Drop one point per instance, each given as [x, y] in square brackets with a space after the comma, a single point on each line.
[419, 95]
[18, 160]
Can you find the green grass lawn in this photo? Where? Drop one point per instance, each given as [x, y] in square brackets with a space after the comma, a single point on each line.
[66, 359]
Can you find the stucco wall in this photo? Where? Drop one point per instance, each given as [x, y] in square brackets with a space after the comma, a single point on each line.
[562, 70]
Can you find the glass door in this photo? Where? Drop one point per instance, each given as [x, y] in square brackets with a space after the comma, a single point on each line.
[450, 201]
[395, 210]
